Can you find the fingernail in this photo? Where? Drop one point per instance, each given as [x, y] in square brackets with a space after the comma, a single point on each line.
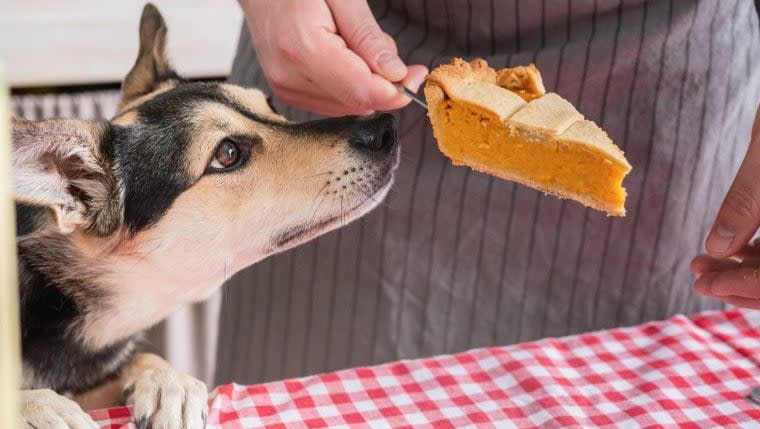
[414, 85]
[720, 240]
[693, 267]
[391, 66]
[703, 285]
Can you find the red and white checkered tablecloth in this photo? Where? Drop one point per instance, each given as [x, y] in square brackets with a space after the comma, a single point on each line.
[683, 372]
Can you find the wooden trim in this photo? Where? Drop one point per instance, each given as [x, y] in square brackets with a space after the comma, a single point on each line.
[10, 348]
[74, 42]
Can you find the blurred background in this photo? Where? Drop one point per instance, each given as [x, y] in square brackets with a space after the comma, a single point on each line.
[67, 59]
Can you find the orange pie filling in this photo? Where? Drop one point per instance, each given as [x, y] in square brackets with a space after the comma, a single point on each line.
[539, 140]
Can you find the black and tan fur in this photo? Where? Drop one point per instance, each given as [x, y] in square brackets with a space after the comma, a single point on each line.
[120, 222]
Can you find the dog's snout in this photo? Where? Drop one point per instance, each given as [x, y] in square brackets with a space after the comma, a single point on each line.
[376, 134]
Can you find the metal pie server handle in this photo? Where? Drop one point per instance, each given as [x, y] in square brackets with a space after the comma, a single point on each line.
[406, 91]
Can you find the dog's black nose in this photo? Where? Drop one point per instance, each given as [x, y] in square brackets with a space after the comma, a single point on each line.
[376, 134]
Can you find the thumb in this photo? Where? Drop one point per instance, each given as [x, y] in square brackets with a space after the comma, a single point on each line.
[358, 27]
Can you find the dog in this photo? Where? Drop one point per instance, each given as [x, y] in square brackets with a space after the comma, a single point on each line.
[120, 222]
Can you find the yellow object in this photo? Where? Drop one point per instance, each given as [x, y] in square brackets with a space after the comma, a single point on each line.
[503, 123]
[10, 354]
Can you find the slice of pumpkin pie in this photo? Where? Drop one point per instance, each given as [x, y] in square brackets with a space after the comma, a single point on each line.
[505, 124]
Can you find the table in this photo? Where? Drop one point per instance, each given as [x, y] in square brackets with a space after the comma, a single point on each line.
[688, 372]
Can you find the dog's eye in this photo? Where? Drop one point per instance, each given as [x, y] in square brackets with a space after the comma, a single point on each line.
[227, 155]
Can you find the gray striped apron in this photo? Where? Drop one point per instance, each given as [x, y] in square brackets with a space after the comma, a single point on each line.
[456, 259]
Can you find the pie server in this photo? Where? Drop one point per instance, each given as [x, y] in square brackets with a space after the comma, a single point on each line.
[406, 91]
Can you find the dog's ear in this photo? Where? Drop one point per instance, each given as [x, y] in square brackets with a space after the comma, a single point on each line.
[152, 67]
[66, 165]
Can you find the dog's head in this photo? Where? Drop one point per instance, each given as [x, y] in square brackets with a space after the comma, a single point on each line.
[199, 179]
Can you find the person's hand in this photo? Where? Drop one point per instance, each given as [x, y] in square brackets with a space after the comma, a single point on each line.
[733, 280]
[328, 56]
[730, 270]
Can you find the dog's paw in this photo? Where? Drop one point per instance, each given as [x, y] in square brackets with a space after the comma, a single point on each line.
[166, 399]
[45, 409]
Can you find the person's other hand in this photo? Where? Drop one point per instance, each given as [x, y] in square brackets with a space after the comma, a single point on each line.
[328, 56]
[733, 280]
[731, 268]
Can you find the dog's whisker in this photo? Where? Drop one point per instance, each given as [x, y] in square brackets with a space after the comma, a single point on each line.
[342, 216]
[314, 213]
[323, 188]
[314, 175]
[316, 209]
[371, 197]
[329, 208]
[367, 194]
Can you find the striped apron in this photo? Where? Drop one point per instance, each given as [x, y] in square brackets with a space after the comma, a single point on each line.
[457, 259]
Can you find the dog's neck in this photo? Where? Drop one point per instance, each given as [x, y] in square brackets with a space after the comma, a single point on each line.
[146, 286]
[57, 290]
[111, 293]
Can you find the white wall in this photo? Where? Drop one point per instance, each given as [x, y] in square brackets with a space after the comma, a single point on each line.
[53, 42]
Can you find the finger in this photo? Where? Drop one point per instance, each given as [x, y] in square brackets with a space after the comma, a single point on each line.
[750, 251]
[307, 95]
[317, 104]
[412, 82]
[703, 264]
[397, 101]
[348, 79]
[363, 35]
[415, 77]
[739, 215]
[749, 263]
[740, 282]
[740, 301]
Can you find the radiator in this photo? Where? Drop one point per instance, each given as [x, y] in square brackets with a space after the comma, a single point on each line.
[83, 105]
[187, 339]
